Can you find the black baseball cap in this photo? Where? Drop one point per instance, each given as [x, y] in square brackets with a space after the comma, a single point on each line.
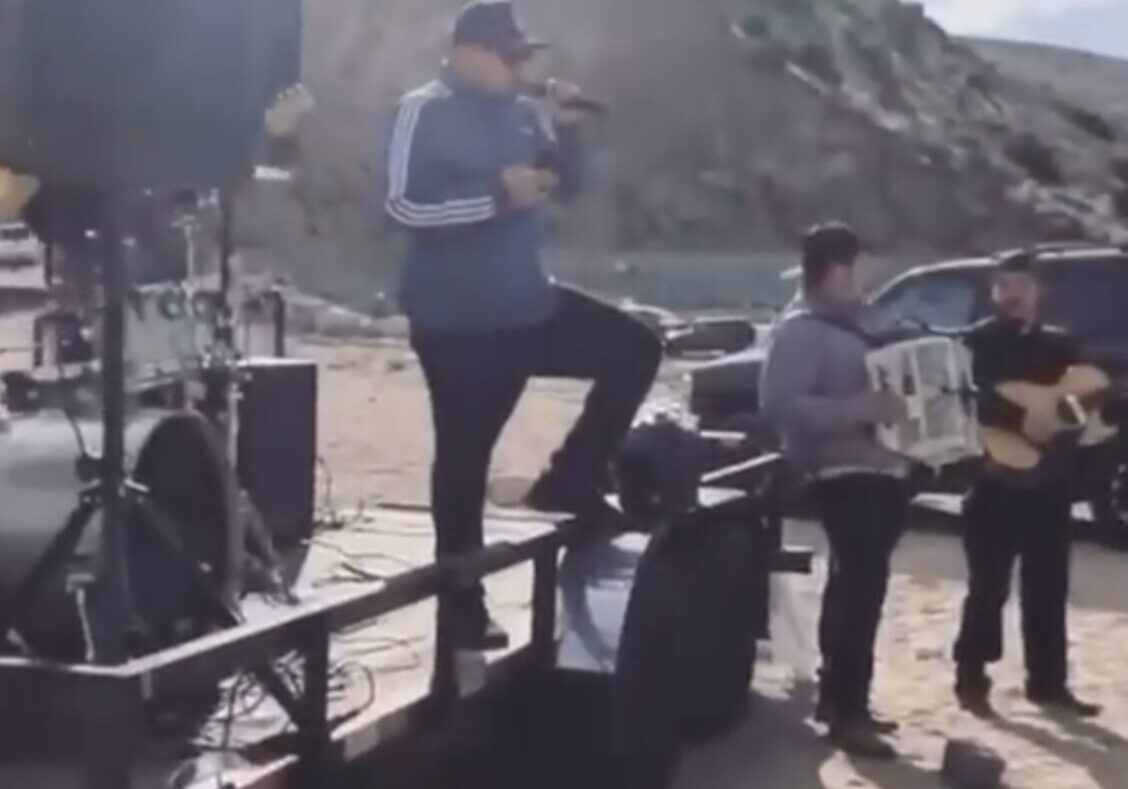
[492, 24]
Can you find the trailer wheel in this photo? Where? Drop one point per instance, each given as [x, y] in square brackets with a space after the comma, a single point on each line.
[645, 738]
[721, 569]
[686, 657]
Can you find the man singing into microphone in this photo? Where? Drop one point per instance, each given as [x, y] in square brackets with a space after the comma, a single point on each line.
[471, 165]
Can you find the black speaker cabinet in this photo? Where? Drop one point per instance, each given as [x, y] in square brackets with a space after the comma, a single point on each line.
[277, 449]
[141, 93]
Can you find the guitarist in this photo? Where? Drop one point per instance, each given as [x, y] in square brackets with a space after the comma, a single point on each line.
[1008, 519]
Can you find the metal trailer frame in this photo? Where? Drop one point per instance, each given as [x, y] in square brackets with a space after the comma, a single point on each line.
[109, 701]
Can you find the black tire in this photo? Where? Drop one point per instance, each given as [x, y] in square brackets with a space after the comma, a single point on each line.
[645, 714]
[686, 657]
[721, 579]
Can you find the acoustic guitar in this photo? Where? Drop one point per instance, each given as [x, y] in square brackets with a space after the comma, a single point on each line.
[1072, 406]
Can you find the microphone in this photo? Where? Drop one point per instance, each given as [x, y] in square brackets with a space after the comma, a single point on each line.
[543, 90]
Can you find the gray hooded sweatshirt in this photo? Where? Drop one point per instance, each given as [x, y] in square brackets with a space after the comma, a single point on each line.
[814, 390]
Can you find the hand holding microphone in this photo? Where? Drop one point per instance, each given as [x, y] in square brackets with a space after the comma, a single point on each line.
[562, 97]
[525, 187]
[568, 102]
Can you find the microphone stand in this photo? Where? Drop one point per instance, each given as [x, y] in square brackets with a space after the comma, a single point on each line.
[112, 464]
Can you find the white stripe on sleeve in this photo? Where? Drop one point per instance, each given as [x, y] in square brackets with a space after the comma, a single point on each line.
[412, 213]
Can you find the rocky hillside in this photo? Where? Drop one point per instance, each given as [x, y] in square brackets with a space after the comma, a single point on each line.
[734, 124]
[1100, 81]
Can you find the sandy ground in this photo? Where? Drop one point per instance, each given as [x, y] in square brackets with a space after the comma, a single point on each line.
[375, 447]
[374, 423]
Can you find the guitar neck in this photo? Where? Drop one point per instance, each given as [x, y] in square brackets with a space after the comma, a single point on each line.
[1097, 399]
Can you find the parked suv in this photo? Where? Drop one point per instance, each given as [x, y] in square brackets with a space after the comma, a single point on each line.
[1087, 292]
[19, 247]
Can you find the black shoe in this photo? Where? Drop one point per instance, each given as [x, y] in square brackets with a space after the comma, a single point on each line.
[977, 702]
[824, 715]
[881, 725]
[1063, 701]
[858, 738]
[590, 506]
[484, 636]
[973, 691]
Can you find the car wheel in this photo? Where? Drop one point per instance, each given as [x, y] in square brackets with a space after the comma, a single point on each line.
[1110, 507]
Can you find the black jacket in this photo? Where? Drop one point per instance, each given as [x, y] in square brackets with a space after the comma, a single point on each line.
[1004, 351]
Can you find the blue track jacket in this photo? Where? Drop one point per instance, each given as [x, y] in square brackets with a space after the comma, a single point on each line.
[472, 261]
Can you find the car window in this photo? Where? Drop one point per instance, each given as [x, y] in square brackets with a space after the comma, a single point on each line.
[1090, 298]
[14, 232]
[939, 300]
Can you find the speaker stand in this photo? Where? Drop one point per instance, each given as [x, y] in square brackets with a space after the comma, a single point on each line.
[117, 498]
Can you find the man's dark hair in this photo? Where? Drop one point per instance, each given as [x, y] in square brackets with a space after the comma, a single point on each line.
[825, 246]
[1016, 262]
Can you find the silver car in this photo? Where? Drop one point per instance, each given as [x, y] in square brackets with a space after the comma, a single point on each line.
[19, 247]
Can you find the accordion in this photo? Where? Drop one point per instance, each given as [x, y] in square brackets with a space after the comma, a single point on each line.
[933, 376]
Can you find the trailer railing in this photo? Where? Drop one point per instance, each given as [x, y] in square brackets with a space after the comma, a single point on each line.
[110, 700]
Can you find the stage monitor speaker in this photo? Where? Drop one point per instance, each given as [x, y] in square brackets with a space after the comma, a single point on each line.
[277, 444]
[141, 93]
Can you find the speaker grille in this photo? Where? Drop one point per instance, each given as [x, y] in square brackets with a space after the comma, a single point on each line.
[141, 93]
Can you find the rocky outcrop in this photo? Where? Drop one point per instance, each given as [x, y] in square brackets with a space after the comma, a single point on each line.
[735, 123]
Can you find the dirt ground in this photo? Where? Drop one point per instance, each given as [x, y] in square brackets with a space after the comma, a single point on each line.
[374, 423]
[376, 443]
[375, 448]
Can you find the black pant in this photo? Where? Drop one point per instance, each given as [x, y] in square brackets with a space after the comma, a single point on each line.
[864, 516]
[1001, 524]
[476, 379]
